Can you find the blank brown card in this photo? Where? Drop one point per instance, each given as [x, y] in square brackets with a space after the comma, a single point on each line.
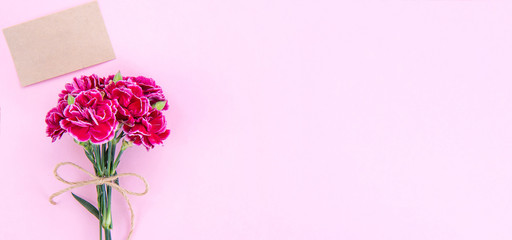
[59, 43]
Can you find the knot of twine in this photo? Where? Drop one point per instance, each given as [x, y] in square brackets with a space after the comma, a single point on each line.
[100, 181]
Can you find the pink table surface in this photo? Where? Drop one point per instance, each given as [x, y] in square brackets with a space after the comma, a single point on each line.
[357, 120]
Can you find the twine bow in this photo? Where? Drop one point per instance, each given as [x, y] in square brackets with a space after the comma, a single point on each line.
[100, 181]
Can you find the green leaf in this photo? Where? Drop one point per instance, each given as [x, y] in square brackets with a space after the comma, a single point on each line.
[92, 209]
[71, 99]
[159, 105]
[118, 76]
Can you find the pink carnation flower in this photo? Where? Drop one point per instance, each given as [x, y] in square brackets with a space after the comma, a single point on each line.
[53, 118]
[90, 117]
[149, 130]
[82, 84]
[152, 91]
[131, 101]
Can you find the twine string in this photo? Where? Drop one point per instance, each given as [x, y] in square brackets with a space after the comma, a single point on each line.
[95, 180]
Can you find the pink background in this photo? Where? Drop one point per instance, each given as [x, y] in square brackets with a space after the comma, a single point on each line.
[290, 120]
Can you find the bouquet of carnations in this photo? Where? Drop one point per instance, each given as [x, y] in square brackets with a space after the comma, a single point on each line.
[100, 114]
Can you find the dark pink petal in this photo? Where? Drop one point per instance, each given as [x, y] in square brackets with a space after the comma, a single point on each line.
[102, 132]
[80, 133]
[53, 118]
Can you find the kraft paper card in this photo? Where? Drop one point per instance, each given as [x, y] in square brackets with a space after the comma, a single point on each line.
[59, 43]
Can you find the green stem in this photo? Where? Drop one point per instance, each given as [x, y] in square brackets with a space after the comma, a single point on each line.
[109, 157]
[102, 157]
[101, 233]
[100, 216]
[103, 153]
[97, 157]
[118, 138]
[118, 159]
[105, 162]
[112, 157]
[107, 234]
[107, 219]
[99, 190]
